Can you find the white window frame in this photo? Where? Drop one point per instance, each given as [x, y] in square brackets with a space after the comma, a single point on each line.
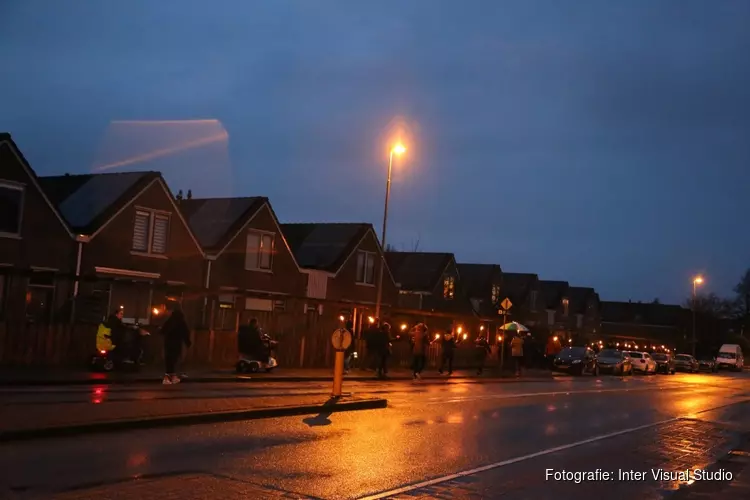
[366, 258]
[152, 215]
[257, 255]
[14, 186]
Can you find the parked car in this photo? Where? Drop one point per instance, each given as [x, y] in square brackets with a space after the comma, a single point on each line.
[708, 364]
[642, 362]
[615, 362]
[730, 356]
[577, 361]
[664, 363]
[685, 363]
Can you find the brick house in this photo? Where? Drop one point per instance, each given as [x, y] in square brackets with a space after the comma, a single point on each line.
[523, 290]
[341, 262]
[35, 246]
[134, 248]
[248, 260]
[644, 324]
[483, 285]
[584, 319]
[556, 312]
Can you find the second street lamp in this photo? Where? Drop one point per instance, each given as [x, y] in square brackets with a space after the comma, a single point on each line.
[698, 280]
[398, 150]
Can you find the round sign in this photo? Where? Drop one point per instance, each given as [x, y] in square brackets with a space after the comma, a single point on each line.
[341, 339]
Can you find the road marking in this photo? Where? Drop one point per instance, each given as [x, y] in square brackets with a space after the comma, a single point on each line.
[435, 401]
[548, 451]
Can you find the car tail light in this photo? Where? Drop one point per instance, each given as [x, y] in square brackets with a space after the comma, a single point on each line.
[103, 352]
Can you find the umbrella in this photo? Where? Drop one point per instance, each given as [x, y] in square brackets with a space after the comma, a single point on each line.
[514, 327]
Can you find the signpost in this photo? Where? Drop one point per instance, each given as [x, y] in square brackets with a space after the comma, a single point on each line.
[505, 305]
[341, 340]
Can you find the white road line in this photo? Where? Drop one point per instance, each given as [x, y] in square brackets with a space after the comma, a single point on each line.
[451, 477]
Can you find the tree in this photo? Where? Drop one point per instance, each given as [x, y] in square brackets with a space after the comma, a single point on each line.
[656, 301]
[711, 306]
[390, 248]
[742, 301]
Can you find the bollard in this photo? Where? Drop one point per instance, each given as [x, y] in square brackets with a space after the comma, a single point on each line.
[341, 340]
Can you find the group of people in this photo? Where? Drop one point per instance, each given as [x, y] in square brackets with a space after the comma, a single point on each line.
[379, 345]
[123, 343]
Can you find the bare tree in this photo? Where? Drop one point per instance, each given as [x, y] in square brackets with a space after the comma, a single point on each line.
[390, 248]
[415, 244]
[656, 301]
[742, 300]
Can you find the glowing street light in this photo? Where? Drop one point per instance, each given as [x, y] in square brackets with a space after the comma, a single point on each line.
[404, 326]
[398, 149]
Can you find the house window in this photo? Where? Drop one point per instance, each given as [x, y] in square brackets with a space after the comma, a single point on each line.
[550, 317]
[449, 287]
[565, 307]
[259, 254]
[11, 208]
[495, 294]
[150, 232]
[532, 300]
[366, 268]
[39, 297]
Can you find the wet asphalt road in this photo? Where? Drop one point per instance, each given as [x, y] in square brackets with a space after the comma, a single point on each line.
[429, 432]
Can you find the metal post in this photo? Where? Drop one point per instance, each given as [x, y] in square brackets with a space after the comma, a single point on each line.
[338, 374]
[382, 240]
[695, 336]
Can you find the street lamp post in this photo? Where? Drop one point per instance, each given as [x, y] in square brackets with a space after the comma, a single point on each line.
[398, 149]
[698, 280]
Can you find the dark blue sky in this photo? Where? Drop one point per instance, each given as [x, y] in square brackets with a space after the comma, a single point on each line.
[603, 143]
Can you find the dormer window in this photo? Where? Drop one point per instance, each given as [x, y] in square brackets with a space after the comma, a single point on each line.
[11, 208]
[565, 304]
[449, 287]
[495, 294]
[150, 232]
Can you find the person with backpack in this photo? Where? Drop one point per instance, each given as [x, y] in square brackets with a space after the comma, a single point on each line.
[176, 334]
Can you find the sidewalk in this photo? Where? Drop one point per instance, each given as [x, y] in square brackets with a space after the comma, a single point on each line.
[29, 377]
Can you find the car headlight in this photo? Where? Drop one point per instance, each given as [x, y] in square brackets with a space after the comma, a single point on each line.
[576, 361]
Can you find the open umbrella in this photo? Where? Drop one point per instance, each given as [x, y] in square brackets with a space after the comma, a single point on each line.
[514, 327]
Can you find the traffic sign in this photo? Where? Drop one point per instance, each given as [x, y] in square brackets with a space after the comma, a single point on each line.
[341, 339]
[506, 304]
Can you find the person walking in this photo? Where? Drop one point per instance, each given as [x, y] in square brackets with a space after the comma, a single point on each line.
[516, 351]
[176, 335]
[382, 347]
[448, 342]
[482, 347]
[419, 343]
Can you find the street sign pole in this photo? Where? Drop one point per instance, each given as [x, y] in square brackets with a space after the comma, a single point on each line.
[504, 306]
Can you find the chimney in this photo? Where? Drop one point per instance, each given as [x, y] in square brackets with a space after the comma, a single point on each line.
[190, 194]
[179, 196]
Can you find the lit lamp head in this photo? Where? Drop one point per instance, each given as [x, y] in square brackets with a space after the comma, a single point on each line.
[404, 326]
[341, 318]
[371, 319]
[459, 330]
[555, 338]
[398, 149]
[698, 280]
[155, 311]
[481, 328]
[499, 338]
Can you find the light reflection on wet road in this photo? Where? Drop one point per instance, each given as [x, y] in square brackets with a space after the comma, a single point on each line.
[428, 431]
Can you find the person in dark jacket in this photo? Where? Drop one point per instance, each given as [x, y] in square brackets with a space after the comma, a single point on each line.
[371, 339]
[249, 341]
[482, 346]
[176, 334]
[420, 341]
[382, 349]
[448, 342]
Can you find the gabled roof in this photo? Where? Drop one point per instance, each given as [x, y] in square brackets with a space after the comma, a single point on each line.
[516, 286]
[478, 279]
[643, 313]
[579, 297]
[89, 201]
[553, 293]
[216, 221]
[6, 138]
[324, 246]
[418, 271]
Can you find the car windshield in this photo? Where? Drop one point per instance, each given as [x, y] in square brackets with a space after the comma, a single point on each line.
[660, 357]
[573, 351]
[610, 353]
[727, 355]
[636, 355]
[682, 357]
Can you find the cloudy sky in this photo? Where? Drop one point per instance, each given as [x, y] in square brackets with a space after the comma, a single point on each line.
[602, 143]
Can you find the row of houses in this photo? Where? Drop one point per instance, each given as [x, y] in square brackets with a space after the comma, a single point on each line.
[74, 247]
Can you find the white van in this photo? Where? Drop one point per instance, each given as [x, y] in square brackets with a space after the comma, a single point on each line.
[730, 356]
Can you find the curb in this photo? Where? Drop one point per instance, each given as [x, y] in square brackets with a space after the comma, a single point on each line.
[190, 419]
[248, 378]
